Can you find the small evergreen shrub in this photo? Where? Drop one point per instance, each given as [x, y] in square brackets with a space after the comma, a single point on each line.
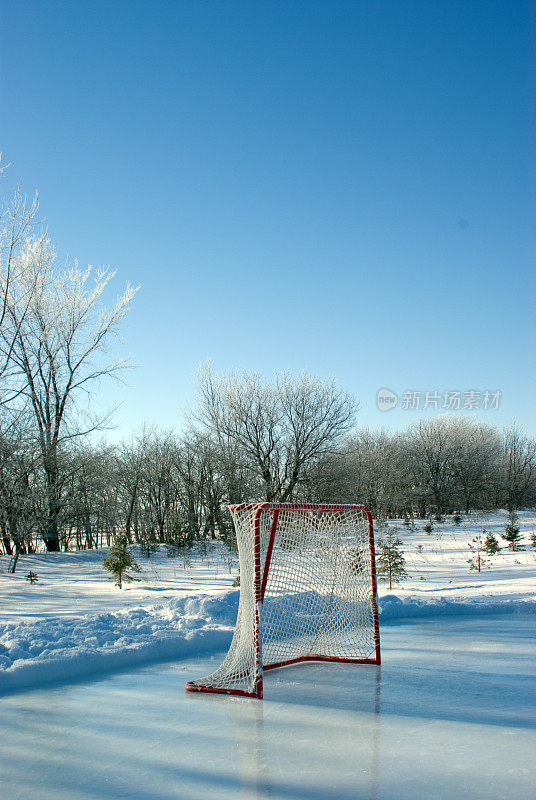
[491, 545]
[390, 562]
[119, 560]
[477, 560]
[511, 532]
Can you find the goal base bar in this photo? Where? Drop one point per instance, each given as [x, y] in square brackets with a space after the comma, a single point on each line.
[211, 690]
[374, 661]
[258, 695]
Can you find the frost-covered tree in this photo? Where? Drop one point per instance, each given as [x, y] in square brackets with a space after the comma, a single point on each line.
[90, 497]
[281, 428]
[475, 449]
[431, 453]
[20, 492]
[379, 477]
[17, 219]
[156, 488]
[452, 460]
[519, 467]
[56, 335]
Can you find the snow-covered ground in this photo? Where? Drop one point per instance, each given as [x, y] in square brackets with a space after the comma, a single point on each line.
[74, 621]
[449, 716]
[75, 584]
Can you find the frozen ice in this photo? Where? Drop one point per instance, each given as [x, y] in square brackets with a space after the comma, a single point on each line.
[450, 714]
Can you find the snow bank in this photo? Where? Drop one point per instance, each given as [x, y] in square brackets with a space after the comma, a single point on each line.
[51, 650]
[393, 608]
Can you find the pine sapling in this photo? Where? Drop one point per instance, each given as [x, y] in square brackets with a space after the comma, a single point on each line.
[477, 561]
[391, 562]
[119, 560]
[491, 545]
[32, 577]
[511, 532]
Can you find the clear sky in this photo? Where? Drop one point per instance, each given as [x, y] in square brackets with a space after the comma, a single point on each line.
[346, 187]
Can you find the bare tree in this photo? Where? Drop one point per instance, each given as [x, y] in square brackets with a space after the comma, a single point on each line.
[431, 454]
[91, 507]
[156, 488]
[20, 493]
[519, 466]
[191, 478]
[280, 428]
[380, 474]
[129, 469]
[475, 449]
[61, 330]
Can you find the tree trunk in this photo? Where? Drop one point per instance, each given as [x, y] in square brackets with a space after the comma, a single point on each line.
[51, 530]
[18, 553]
[131, 512]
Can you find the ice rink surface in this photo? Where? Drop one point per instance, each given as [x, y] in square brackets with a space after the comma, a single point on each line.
[450, 714]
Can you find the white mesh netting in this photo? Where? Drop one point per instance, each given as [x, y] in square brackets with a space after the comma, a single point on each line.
[307, 591]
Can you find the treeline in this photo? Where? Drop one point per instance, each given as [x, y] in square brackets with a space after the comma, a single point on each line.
[435, 466]
[294, 438]
[162, 487]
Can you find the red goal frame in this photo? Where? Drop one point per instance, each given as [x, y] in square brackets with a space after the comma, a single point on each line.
[260, 589]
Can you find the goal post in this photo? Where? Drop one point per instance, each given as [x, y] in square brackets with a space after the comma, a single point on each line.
[307, 592]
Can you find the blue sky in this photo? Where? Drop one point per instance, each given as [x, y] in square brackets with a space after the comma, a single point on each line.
[346, 187]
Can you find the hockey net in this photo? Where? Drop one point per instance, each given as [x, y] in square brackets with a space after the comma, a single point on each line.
[307, 592]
